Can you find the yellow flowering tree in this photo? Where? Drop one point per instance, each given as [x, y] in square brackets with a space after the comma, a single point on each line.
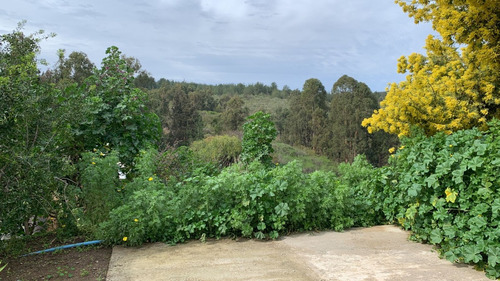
[456, 84]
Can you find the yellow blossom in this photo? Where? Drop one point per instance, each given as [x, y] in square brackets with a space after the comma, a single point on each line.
[136, 220]
[392, 149]
[93, 163]
[447, 192]
[402, 147]
[150, 179]
[125, 239]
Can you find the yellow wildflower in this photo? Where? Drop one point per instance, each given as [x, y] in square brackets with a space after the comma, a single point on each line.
[93, 163]
[136, 220]
[150, 179]
[125, 239]
[447, 191]
[402, 147]
[392, 149]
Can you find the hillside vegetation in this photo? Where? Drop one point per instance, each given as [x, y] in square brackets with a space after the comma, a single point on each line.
[112, 153]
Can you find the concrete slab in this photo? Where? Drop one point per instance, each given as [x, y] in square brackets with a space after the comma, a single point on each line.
[376, 253]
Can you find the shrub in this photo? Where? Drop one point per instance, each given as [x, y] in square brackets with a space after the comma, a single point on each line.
[363, 184]
[101, 190]
[252, 201]
[220, 150]
[258, 134]
[445, 189]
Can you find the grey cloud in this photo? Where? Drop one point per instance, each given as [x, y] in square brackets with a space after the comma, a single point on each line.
[216, 41]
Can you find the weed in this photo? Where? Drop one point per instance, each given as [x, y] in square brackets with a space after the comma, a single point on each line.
[84, 272]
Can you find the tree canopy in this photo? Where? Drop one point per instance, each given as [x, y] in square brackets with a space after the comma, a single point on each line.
[456, 84]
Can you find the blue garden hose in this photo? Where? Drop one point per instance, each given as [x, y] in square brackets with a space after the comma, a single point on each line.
[65, 247]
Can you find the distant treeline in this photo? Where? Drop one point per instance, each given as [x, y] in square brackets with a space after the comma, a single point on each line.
[328, 122]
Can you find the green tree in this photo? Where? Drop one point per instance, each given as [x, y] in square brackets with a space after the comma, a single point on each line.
[352, 101]
[184, 122]
[32, 127]
[456, 84]
[203, 100]
[258, 134]
[307, 115]
[144, 80]
[117, 115]
[76, 68]
[234, 114]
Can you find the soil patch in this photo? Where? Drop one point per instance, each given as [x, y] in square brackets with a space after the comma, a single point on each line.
[82, 263]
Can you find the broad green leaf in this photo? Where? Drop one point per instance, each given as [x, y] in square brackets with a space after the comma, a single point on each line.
[450, 231]
[477, 223]
[495, 208]
[436, 236]
[471, 253]
[458, 176]
[261, 226]
[432, 181]
[414, 190]
[440, 214]
[475, 163]
[451, 256]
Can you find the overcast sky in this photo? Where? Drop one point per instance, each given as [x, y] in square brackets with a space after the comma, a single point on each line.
[232, 41]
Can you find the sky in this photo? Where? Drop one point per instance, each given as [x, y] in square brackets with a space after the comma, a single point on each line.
[232, 41]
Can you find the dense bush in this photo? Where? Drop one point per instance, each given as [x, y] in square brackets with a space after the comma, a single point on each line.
[33, 135]
[249, 201]
[363, 184]
[220, 150]
[258, 134]
[101, 190]
[445, 189]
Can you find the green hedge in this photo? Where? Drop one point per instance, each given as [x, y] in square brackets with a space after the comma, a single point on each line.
[446, 190]
[250, 201]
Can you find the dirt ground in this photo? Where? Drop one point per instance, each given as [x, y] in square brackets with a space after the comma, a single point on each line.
[83, 263]
[377, 253]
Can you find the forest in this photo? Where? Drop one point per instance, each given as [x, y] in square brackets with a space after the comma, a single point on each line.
[112, 153]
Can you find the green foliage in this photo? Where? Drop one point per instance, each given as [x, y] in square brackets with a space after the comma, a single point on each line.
[101, 190]
[363, 185]
[265, 103]
[234, 114]
[184, 123]
[353, 101]
[117, 115]
[284, 153]
[3, 267]
[220, 150]
[258, 134]
[180, 163]
[445, 189]
[307, 117]
[74, 69]
[33, 166]
[252, 201]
